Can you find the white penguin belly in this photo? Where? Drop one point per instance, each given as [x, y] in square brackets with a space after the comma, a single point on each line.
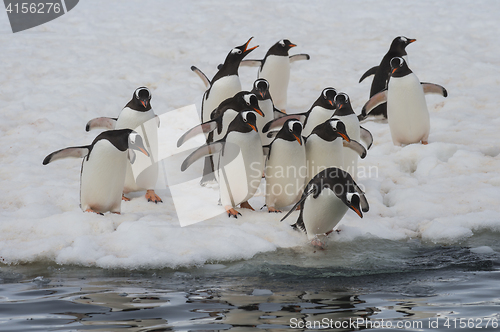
[223, 88]
[321, 154]
[317, 116]
[286, 173]
[276, 71]
[407, 111]
[102, 178]
[351, 123]
[240, 177]
[144, 173]
[322, 214]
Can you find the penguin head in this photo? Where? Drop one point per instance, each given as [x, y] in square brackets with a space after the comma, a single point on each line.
[399, 67]
[142, 99]
[399, 44]
[249, 119]
[281, 48]
[328, 96]
[135, 142]
[343, 104]
[250, 101]
[261, 89]
[353, 201]
[239, 52]
[338, 128]
[291, 131]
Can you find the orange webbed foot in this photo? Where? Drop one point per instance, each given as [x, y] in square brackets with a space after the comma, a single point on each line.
[232, 212]
[90, 210]
[152, 197]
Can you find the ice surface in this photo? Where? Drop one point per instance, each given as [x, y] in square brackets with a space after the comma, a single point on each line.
[86, 64]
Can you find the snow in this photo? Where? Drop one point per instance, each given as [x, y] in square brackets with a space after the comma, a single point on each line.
[86, 64]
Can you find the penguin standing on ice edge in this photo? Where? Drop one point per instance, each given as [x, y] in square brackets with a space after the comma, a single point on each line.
[382, 72]
[325, 201]
[275, 68]
[407, 111]
[137, 115]
[103, 168]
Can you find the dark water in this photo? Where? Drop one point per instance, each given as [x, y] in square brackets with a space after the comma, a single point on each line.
[370, 284]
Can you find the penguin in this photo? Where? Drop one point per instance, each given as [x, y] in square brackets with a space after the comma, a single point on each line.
[261, 90]
[275, 68]
[324, 147]
[345, 113]
[382, 72]
[239, 163]
[286, 168]
[103, 168]
[321, 110]
[408, 116]
[325, 201]
[138, 115]
[226, 82]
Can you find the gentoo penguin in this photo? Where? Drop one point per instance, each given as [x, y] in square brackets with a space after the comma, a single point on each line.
[324, 147]
[275, 68]
[346, 114]
[382, 72]
[226, 82]
[407, 111]
[239, 166]
[103, 168]
[261, 90]
[320, 111]
[325, 201]
[138, 115]
[286, 168]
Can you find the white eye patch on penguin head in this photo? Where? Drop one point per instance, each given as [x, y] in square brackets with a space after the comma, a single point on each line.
[143, 93]
[261, 85]
[294, 125]
[236, 51]
[341, 98]
[397, 62]
[132, 137]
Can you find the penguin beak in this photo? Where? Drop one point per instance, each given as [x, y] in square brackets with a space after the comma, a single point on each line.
[144, 103]
[258, 111]
[247, 50]
[393, 71]
[144, 151]
[261, 94]
[331, 102]
[298, 139]
[292, 45]
[253, 127]
[357, 211]
[345, 137]
[411, 41]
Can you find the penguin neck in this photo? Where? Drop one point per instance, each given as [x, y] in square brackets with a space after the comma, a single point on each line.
[345, 110]
[119, 138]
[405, 70]
[137, 106]
[230, 67]
[325, 132]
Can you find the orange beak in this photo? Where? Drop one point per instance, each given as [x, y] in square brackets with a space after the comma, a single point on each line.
[331, 102]
[292, 45]
[253, 127]
[298, 139]
[394, 70]
[411, 41]
[261, 94]
[258, 111]
[345, 137]
[357, 211]
[144, 151]
[249, 49]
[144, 103]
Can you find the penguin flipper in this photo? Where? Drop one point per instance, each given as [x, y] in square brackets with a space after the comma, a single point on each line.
[366, 137]
[251, 63]
[298, 57]
[312, 190]
[280, 121]
[205, 128]
[103, 122]
[278, 114]
[201, 75]
[374, 101]
[368, 73]
[355, 146]
[272, 134]
[205, 150]
[71, 152]
[434, 88]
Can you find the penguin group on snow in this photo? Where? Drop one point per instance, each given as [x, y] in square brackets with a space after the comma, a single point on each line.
[308, 160]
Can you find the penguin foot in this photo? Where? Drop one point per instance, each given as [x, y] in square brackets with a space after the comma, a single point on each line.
[271, 209]
[318, 243]
[425, 142]
[116, 212]
[152, 197]
[126, 199]
[246, 205]
[90, 210]
[232, 212]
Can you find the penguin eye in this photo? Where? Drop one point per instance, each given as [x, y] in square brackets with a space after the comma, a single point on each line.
[349, 197]
[132, 137]
[244, 116]
[403, 39]
[236, 51]
[334, 124]
[282, 43]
